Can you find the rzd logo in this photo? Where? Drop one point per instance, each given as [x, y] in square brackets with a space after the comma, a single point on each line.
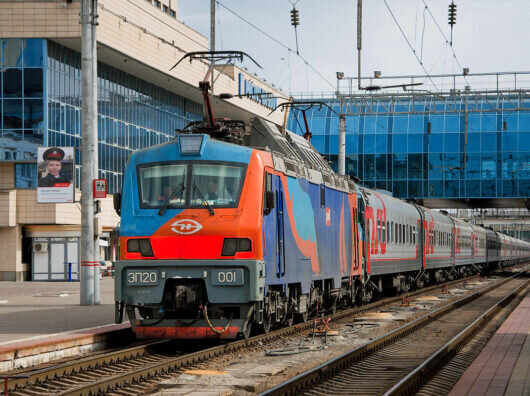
[185, 227]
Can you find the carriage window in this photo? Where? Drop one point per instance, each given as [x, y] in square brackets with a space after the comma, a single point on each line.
[387, 232]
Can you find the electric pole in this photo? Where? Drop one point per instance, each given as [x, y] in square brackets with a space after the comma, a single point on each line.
[89, 263]
[212, 36]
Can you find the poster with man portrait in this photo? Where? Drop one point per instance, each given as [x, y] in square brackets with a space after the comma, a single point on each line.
[55, 173]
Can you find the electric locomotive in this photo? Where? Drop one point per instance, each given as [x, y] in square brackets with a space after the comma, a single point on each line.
[217, 237]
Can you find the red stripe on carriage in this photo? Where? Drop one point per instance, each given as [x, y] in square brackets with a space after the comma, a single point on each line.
[185, 332]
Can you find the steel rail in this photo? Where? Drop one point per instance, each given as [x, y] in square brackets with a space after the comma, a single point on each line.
[416, 378]
[328, 369]
[174, 363]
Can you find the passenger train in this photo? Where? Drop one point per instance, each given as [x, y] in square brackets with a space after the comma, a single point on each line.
[217, 238]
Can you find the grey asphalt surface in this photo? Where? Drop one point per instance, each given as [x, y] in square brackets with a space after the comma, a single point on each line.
[33, 309]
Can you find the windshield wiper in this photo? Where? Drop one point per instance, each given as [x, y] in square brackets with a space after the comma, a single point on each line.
[204, 201]
[177, 191]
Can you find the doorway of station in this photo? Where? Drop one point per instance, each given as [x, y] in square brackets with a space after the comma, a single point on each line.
[55, 259]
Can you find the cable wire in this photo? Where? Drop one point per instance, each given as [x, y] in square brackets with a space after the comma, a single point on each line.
[446, 40]
[410, 46]
[277, 42]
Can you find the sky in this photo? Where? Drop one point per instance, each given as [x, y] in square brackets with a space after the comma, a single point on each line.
[489, 36]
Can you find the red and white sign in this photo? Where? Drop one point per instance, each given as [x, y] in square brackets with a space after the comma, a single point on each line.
[100, 188]
[328, 216]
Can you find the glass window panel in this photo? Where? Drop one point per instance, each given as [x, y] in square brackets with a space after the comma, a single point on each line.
[369, 144]
[380, 144]
[524, 141]
[380, 162]
[12, 52]
[12, 115]
[25, 175]
[400, 124]
[451, 142]
[435, 166]
[509, 188]
[509, 141]
[352, 145]
[473, 166]
[473, 122]
[416, 123]
[399, 189]
[488, 142]
[33, 113]
[381, 124]
[489, 122]
[12, 83]
[33, 83]
[415, 143]
[400, 166]
[33, 52]
[351, 164]
[318, 125]
[488, 167]
[369, 124]
[333, 144]
[415, 166]
[437, 123]
[435, 143]
[473, 142]
[472, 188]
[489, 188]
[524, 120]
[399, 143]
[452, 123]
[33, 137]
[369, 167]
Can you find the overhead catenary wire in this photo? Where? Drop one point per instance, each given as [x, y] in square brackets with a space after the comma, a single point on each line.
[277, 42]
[410, 46]
[446, 39]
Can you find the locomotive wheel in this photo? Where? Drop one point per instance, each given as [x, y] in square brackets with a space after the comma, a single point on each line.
[267, 322]
[246, 333]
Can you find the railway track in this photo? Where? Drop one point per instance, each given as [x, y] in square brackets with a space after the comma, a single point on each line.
[401, 362]
[133, 370]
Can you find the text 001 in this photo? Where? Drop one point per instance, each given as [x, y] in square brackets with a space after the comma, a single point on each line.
[142, 278]
[226, 277]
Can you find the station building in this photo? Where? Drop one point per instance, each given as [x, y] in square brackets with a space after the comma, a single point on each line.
[140, 103]
[452, 148]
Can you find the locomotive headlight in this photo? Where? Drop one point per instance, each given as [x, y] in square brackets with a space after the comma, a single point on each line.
[190, 144]
[233, 245]
[142, 246]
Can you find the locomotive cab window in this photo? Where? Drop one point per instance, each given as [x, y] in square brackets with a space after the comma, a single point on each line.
[188, 184]
[161, 182]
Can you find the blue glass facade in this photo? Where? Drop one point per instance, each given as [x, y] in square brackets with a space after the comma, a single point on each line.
[22, 64]
[41, 105]
[429, 148]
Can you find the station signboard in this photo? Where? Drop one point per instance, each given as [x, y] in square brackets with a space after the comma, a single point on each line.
[100, 188]
[55, 172]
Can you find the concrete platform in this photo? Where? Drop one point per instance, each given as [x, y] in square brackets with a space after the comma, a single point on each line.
[503, 366]
[43, 321]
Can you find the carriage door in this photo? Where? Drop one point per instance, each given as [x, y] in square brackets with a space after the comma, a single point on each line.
[273, 229]
[280, 230]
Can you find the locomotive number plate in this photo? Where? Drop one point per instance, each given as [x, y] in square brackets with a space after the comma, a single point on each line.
[142, 278]
[228, 277]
